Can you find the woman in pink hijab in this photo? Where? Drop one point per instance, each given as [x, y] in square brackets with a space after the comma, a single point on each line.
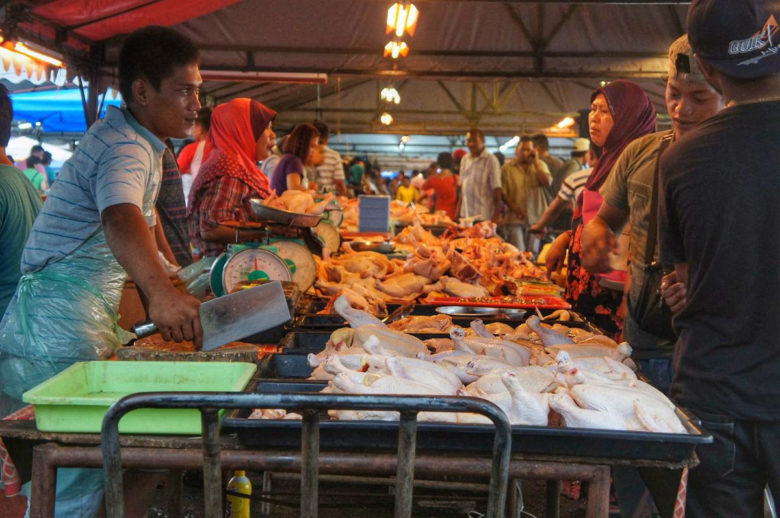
[619, 113]
[241, 135]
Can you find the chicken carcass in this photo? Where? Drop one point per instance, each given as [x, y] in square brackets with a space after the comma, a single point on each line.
[428, 261]
[423, 324]
[458, 288]
[355, 317]
[548, 337]
[494, 347]
[577, 417]
[403, 286]
[533, 379]
[381, 340]
[520, 406]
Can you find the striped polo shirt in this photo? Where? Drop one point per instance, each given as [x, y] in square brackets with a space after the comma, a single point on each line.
[330, 170]
[117, 161]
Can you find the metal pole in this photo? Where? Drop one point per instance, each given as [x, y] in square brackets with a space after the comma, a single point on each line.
[112, 464]
[212, 465]
[310, 451]
[43, 486]
[553, 501]
[404, 478]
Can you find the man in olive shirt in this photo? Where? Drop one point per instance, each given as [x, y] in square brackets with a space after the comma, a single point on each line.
[19, 205]
[523, 183]
[628, 193]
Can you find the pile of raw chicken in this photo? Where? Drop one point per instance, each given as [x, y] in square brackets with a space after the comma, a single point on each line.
[537, 374]
[468, 263]
[300, 202]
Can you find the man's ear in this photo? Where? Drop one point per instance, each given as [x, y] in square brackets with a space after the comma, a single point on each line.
[710, 74]
[140, 90]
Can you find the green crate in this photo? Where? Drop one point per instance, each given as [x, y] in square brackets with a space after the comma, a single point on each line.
[76, 399]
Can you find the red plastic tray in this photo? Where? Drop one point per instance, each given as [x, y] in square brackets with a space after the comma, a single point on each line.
[525, 302]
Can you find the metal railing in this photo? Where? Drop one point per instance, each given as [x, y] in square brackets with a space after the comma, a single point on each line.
[310, 406]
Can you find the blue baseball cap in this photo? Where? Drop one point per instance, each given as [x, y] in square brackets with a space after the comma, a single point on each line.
[740, 38]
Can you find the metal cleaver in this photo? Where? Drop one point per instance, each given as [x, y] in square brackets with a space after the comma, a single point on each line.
[235, 316]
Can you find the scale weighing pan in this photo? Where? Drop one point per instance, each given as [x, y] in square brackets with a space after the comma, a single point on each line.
[282, 217]
[479, 311]
[384, 247]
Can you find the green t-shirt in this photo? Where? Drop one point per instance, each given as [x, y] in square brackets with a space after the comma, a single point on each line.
[35, 177]
[19, 205]
[356, 173]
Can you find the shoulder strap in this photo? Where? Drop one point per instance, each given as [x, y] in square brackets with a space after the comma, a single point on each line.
[652, 229]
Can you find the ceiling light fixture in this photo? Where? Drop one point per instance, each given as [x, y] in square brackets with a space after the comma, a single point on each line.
[264, 77]
[509, 143]
[396, 49]
[386, 119]
[390, 95]
[402, 17]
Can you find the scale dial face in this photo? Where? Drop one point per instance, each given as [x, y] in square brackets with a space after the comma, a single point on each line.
[329, 234]
[305, 268]
[253, 264]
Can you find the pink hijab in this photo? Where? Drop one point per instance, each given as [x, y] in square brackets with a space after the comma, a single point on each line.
[634, 116]
[235, 127]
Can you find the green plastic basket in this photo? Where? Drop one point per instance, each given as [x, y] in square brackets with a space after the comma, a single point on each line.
[76, 399]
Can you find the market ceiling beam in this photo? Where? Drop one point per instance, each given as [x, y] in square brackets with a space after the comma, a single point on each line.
[472, 74]
[578, 2]
[436, 53]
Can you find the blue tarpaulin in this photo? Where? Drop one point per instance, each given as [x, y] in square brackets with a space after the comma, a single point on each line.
[56, 110]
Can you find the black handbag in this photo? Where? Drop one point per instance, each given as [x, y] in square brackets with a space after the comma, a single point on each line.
[650, 312]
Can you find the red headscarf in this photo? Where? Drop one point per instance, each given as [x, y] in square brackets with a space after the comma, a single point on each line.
[235, 127]
[633, 115]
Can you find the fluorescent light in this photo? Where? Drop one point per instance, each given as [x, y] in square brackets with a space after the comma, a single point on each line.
[25, 126]
[264, 77]
[565, 123]
[510, 143]
[21, 48]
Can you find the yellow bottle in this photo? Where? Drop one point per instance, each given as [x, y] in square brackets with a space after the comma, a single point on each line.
[238, 507]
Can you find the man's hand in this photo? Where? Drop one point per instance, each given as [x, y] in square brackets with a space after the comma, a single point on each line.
[674, 293]
[133, 245]
[536, 228]
[597, 241]
[176, 315]
[557, 253]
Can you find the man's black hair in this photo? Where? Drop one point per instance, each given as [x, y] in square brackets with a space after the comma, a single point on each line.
[444, 160]
[541, 142]
[46, 158]
[32, 161]
[322, 129]
[37, 148]
[527, 138]
[152, 53]
[6, 116]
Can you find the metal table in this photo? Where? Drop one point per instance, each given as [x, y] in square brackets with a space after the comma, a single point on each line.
[176, 452]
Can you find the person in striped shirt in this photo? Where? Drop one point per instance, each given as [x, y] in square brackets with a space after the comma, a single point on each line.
[330, 173]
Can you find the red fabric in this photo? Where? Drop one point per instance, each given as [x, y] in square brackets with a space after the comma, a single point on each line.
[634, 116]
[12, 483]
[234, 147]
[188, 153]
[682, 496]
[446, 194]
[101, 19]
[220, 200]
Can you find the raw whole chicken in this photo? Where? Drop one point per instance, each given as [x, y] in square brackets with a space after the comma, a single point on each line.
[381, 340]
[520, 406]
[423, 324]
[533, 379]
[458, 288]
[428, 261]
[354, 317]
[576, 417]
[403, 286]
[300, 202]
[548, 336]
[495, 347]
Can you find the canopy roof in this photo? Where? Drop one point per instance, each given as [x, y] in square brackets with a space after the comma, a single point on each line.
[504, 66]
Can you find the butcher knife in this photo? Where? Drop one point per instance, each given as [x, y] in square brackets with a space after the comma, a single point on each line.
[236, 316]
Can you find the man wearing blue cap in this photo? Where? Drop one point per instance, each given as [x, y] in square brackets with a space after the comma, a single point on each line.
[719, 227]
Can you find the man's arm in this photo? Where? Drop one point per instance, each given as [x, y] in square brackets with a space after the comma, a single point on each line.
[341, 187]
[512, 205]
[542, 172]
[599, 238]
[497, 197]
[176, 314]
[552, 211]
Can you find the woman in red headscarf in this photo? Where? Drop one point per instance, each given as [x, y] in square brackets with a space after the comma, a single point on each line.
[619, 113]
[241, 135]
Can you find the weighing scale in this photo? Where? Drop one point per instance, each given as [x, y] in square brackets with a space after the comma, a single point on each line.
[275, 257]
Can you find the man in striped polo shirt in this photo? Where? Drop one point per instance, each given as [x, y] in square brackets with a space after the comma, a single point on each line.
[97, 225]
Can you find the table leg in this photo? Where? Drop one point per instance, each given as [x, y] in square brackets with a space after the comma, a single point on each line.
[44, 483]
[553, 501]
[598, 494]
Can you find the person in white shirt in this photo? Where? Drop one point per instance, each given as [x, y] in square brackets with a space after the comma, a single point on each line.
[480, 176]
